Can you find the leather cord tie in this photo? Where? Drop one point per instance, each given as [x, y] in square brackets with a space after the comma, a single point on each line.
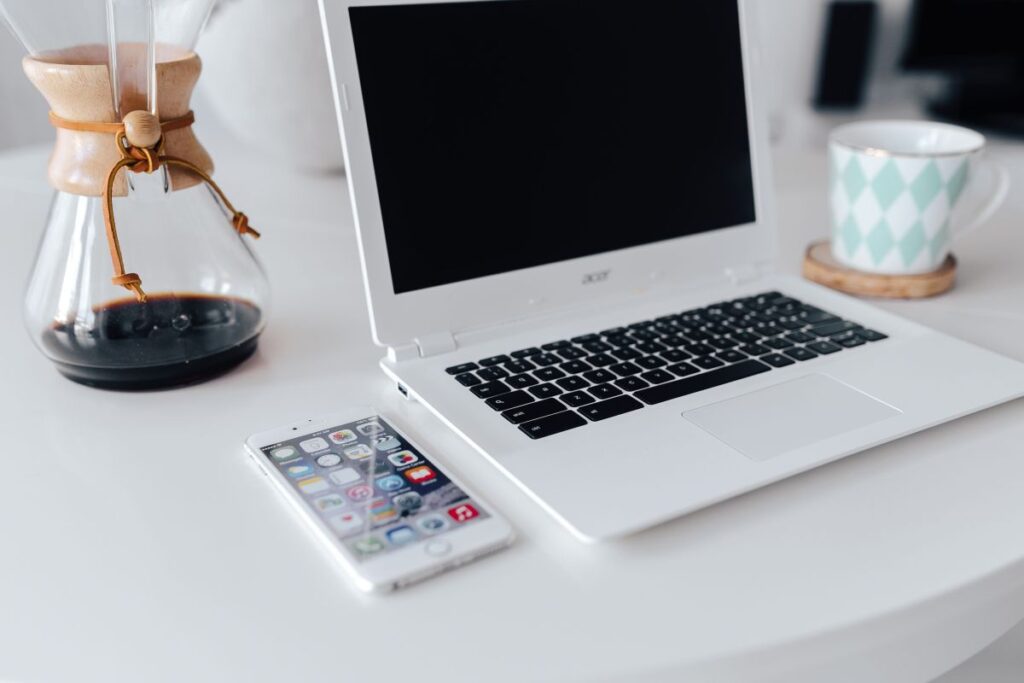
[144, 159]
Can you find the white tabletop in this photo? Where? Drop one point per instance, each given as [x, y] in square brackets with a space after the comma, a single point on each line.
[139, 543]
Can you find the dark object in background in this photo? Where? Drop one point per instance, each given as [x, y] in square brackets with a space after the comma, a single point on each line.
[979, 44]
[845, 54]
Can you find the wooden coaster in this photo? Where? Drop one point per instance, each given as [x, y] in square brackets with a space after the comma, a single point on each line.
[821, 267]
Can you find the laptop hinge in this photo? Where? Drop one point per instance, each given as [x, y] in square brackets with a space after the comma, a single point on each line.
[747, 272]
[423, 347]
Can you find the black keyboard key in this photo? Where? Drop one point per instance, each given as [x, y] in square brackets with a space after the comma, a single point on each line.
[574, 367]
[640, 325]
[824, 347]
[755, 350]
[724, 343]
[746, 337]
[596, 346]
[682, 369]
[626, 353]
[658, 376]
[462, 368]
[518, 366]
[777, 343]
[777, 360]
[552, 424]
[706, 380]
[599, 376]
[513, 399]
[849, 342]
[766, 329]
[698, 335]
[494, 360]
[650, 347]
[468, 379]
[548, 374]
[610, 408]
[545, 359]
[816, 316]
[631, 384]
[643, 335]
[561, 344]
[800, 353]
[490, 389]
[675, 355]
[676, 340]
[871, 335]
[577, 399]
[829, 329]
[532, 411]
[522, 381]
[604, 391]
[526, 353]
[699, 350]
[625, 369]
[731, 356]
[619, 342]
[614, 332]
[495, 372]
[708, 362]
[790, 323]
[800, 337]
[585, 338]
[570, 353]
[650, 362]
[573, 383]
[545, 390]
[601, 360]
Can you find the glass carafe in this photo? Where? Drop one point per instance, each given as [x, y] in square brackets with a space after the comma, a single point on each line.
[143, 277]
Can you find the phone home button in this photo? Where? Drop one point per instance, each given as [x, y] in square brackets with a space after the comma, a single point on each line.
[437, 548]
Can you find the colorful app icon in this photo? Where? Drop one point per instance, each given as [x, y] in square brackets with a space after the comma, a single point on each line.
[402, 458]
[368, 545]
[342, 436]
[331, 501]
[408, 502]
[390, 483]
[313, 485]
[370, 429]
[401, 535]
[386, 443]
[420, 475]
[432, 524]
[463, 513]
[381, 512]
[347, 523]
[346, 475]
[358, 452]
[283, 453]
[328, 460]
[313, 445]
[359, 492]
[299, 470]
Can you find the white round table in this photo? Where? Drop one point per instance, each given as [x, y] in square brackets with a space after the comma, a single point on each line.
[139, 543]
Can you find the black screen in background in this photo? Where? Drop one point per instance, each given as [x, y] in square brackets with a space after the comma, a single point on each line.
[513, 133]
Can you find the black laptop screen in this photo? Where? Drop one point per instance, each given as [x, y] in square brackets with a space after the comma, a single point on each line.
[507, 134]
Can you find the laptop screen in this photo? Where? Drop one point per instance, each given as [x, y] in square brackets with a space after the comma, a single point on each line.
[507, 134]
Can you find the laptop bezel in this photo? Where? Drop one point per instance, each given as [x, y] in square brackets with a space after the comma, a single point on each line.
[400, 320]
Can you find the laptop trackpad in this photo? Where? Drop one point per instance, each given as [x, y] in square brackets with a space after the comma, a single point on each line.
[782, 418]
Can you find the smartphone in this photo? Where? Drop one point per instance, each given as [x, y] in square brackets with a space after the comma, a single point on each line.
[388, 513]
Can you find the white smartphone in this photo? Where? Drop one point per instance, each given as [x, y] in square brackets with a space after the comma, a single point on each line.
[389, 514]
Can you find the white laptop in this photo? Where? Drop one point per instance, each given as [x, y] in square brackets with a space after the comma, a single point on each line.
[565, 222]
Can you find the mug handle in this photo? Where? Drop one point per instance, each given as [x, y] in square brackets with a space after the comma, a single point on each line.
[992, 205]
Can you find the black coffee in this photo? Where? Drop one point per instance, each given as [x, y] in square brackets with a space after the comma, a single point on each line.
[168, 341]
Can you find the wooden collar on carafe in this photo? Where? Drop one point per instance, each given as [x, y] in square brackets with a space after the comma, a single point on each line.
[139, 139]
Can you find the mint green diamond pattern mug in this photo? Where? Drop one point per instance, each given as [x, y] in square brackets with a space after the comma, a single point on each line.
[894, 187]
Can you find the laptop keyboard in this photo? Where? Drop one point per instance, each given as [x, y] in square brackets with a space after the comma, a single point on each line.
[571, 382]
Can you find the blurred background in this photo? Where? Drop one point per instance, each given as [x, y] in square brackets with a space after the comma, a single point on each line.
[959, 60]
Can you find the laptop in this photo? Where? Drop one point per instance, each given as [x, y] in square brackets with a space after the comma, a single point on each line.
[564, 217]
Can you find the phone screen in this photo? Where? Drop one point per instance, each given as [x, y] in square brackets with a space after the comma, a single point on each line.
[371, 487]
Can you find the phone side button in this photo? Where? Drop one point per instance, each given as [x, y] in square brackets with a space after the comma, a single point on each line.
[437, 548]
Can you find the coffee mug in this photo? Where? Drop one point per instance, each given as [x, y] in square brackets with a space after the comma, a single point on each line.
[894, 187]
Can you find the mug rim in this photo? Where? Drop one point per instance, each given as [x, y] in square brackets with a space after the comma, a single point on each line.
[836, 134]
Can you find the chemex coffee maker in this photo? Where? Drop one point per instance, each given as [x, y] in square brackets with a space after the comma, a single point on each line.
[144, 278]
